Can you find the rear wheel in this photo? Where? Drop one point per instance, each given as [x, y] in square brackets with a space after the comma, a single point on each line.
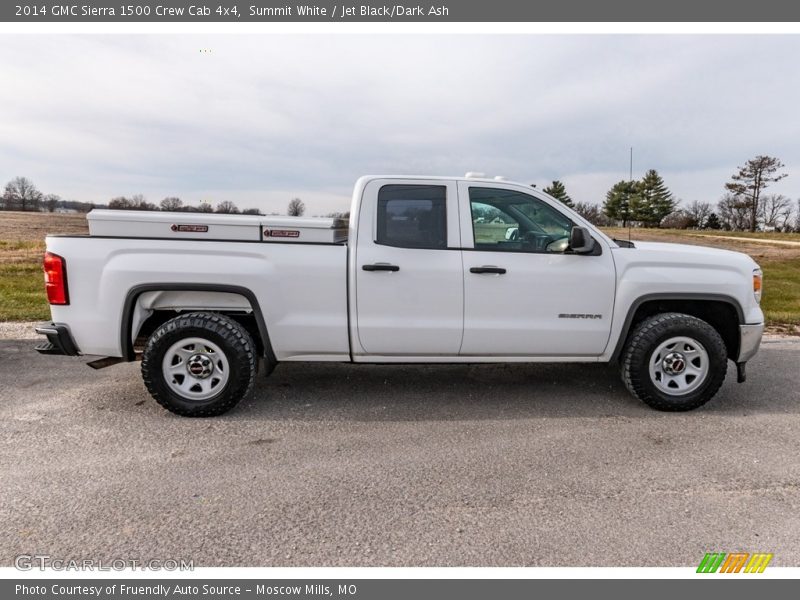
[674, 362]
[199, 364]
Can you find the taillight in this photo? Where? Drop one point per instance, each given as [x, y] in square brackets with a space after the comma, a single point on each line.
[55, 279]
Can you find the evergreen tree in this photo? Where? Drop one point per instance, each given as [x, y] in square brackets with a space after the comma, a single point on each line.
[654, 201]
[559, 192]
[619, 201]
[712, 222]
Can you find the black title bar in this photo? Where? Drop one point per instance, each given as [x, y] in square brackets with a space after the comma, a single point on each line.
[606, 11]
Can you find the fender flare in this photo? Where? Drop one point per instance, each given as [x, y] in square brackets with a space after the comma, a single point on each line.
[126, 341]
[626, 326]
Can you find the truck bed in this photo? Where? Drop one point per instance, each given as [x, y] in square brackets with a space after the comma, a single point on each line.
[301, 287]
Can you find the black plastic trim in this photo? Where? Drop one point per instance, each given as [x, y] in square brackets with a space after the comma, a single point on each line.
[623, 335]
[597, 250]
[133, 294]
[741, 372]
[59, 340]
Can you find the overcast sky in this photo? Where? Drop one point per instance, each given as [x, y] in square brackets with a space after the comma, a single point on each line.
[259, 119]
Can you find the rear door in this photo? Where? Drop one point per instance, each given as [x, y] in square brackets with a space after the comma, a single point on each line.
[409, 275]
[525, 292]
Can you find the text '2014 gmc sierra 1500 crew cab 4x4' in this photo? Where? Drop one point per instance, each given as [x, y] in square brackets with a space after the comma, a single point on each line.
[428, 270]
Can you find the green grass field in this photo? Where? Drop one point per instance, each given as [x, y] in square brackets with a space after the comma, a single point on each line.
[22, 296]
[781, 301]
[22, 292]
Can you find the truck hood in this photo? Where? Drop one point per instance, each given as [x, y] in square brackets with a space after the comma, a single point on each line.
[692, 254]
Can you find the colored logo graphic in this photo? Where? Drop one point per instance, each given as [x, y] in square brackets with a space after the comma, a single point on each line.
[734, 562]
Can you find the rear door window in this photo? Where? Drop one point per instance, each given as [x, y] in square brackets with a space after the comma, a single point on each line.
[412, 216]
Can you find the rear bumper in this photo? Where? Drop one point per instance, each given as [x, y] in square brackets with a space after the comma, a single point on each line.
[59, 340]
[749, 341]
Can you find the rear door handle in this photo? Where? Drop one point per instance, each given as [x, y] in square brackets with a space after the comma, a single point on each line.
[487, 269]
[381, 267]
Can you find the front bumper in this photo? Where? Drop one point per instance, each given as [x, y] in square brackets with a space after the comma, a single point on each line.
[749, 341]
[59, 340]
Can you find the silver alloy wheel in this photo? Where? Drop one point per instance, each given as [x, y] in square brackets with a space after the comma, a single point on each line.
[195, 368]
[679, 366]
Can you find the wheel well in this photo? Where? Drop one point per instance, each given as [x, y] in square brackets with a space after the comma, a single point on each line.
[149, 306]
[161, 316]
[720, 314]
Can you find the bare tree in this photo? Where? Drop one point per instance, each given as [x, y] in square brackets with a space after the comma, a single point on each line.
[296, 208]
[227, 207]
[592, 213]
[205, 207]
[797, 217]
[678, 219]
[139, 203]
[698, 212]
[21, 194]
[776, 211]
[752, 179]
[51, 202]
[136, 202]
[734, 212]
[251, 211]
[171, 204]
[119, 203]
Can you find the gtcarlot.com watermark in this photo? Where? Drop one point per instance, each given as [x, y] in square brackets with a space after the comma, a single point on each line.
[44, 562]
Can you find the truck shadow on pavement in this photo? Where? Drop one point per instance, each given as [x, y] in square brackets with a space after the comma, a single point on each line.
[452, 392]
[320, 392]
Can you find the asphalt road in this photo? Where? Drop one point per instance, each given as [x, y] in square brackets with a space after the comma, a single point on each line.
[398, 466]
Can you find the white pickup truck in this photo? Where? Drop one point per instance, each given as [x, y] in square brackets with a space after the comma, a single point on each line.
[428, 270]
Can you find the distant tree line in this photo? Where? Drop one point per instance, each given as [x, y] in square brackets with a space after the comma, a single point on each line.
[648, 202]
[174, 204]
[21, 194]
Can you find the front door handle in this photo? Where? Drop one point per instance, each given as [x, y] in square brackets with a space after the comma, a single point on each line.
[381, 267]
[488, 269]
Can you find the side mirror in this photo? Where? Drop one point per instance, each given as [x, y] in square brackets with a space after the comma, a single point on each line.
[580, 240]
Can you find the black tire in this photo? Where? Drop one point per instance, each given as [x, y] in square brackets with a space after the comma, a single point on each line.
[646, 339]
[229, 336]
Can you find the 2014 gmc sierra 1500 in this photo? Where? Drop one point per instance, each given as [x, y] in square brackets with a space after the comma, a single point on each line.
[428, 270]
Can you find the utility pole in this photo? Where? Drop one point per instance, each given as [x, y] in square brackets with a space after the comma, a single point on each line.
[630, 180]
[631, 171]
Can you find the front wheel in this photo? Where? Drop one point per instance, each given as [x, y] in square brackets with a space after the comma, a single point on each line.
[199, 364]
[674, 362]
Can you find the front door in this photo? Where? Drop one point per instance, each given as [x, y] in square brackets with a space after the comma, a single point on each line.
[525, 292]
